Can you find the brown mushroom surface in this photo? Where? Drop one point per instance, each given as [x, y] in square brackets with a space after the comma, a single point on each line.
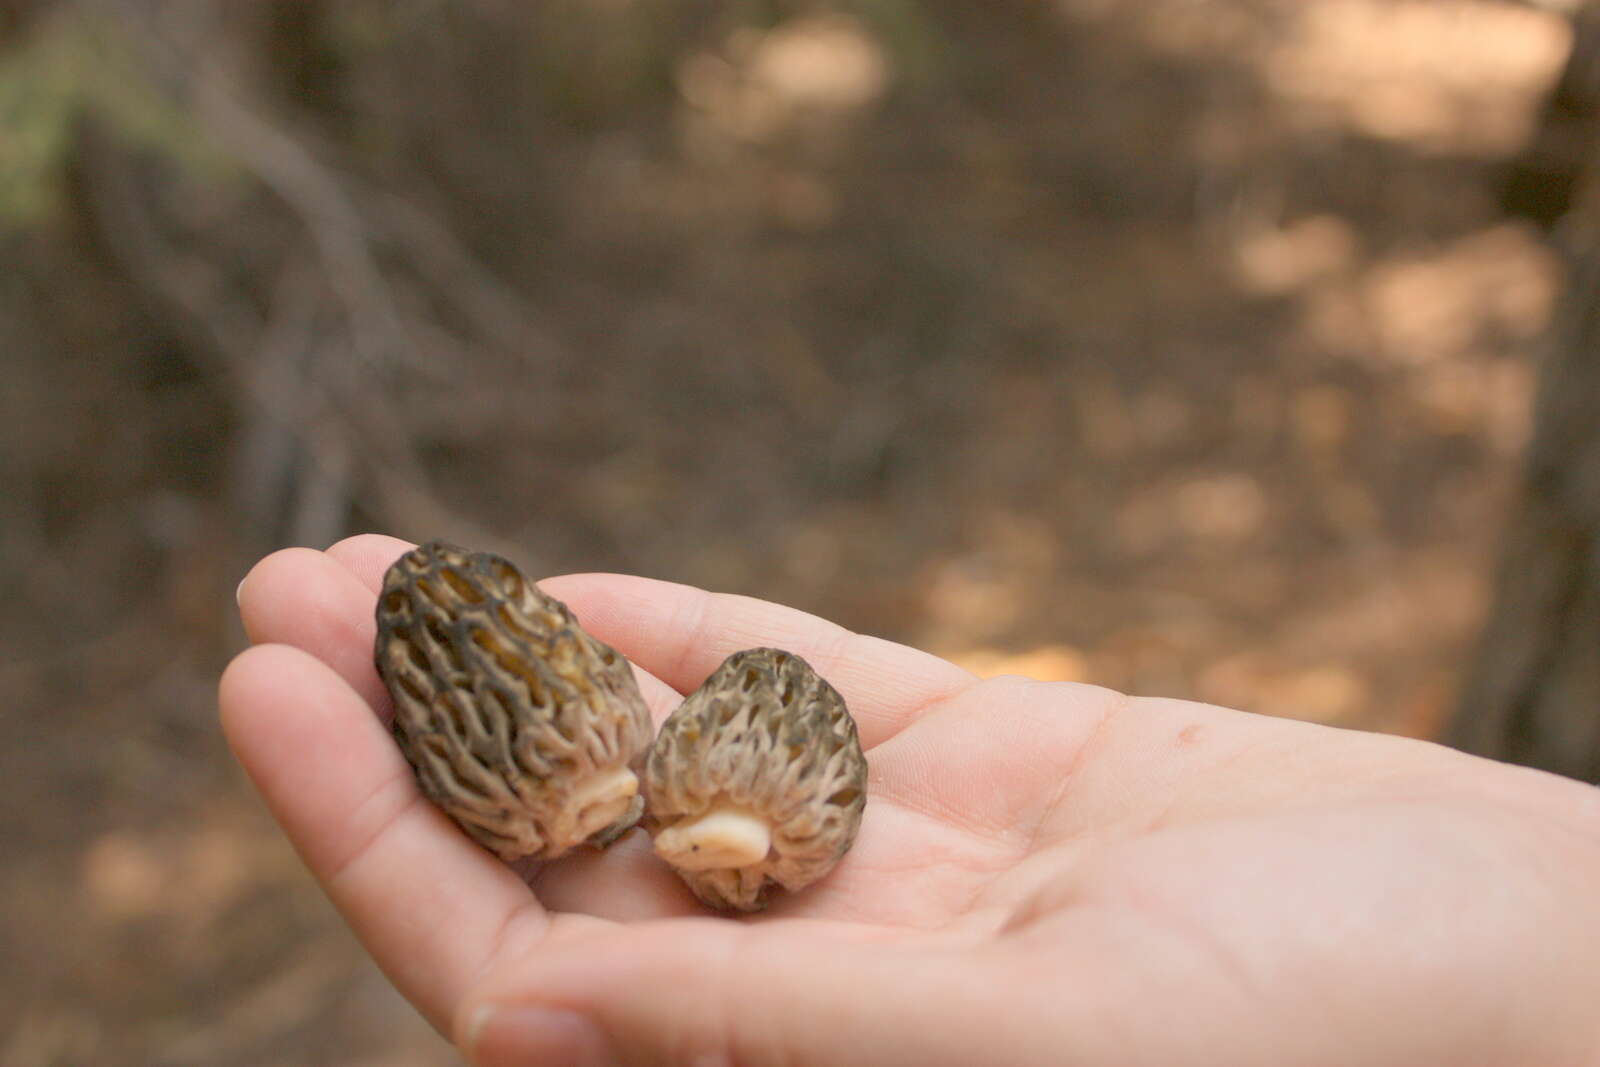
[527, 731]
[757, 778]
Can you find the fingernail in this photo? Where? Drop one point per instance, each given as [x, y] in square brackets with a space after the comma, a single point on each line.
[238, 589]
[514, 1035]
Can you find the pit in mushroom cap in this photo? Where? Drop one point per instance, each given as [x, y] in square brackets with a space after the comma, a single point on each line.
[757, 778]
[523, 728]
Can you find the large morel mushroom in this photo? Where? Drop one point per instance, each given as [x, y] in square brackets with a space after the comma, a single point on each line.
[757, 778]
[527, 731]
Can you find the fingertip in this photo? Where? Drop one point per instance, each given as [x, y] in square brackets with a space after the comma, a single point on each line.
[258, 700]
[300, 597]
[261, 670]
[235, 677]
[240, 678]
[368, 556]
[269, 578]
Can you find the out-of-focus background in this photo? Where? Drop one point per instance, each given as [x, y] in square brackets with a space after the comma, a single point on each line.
[1184, 346]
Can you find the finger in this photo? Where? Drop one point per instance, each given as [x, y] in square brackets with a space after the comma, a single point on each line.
[365, 558]
[681, 634]
[428, 904]
[705, 991]
[301, 597]
[314, 601]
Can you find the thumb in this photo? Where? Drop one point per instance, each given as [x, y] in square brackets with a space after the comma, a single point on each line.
[703, 991]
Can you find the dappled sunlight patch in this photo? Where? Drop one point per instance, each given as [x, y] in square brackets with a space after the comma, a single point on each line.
[1333, 665]
[1281, 259]
[1217, 509]
[1422, 591]
[187, 878]
[1114, 424]
[1320, 417]
[1224, 507]
[972, 596]
[1440, 321]
[1044, 663]
[811, 68]
[1325, 693]
[1431, 304]
[123, 876]
[1447, 74]
[821, 61]
[1492, 398]
[985, 590]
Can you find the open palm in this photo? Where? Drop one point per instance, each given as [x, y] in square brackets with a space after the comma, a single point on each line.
[1046, 873]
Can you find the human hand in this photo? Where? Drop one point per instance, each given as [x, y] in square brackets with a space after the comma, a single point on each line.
[1046, 873]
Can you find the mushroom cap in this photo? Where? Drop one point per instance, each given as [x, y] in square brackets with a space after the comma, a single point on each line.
[757, 778]
[520, 726]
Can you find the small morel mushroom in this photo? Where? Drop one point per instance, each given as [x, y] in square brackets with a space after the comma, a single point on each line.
[527, 731]
[758, 777]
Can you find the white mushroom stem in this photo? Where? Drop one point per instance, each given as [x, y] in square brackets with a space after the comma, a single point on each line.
[602, 800]
[721, 839]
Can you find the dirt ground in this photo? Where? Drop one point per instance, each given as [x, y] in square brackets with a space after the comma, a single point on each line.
[1172, 346]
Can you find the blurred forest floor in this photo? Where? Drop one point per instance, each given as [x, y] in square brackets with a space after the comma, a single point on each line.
[1172, 346]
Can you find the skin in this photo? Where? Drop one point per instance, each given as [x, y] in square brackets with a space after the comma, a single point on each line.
[1046, 872]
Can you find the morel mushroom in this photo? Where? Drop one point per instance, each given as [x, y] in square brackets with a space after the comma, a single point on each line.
[527, 731]
[758, 777]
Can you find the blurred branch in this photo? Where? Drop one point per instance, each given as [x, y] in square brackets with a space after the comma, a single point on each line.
[314, 191]
[498, 312]
[348, 218]
[324, 416]
[264, 469]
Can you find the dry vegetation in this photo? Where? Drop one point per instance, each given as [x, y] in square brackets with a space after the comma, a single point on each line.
[1174, 345]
